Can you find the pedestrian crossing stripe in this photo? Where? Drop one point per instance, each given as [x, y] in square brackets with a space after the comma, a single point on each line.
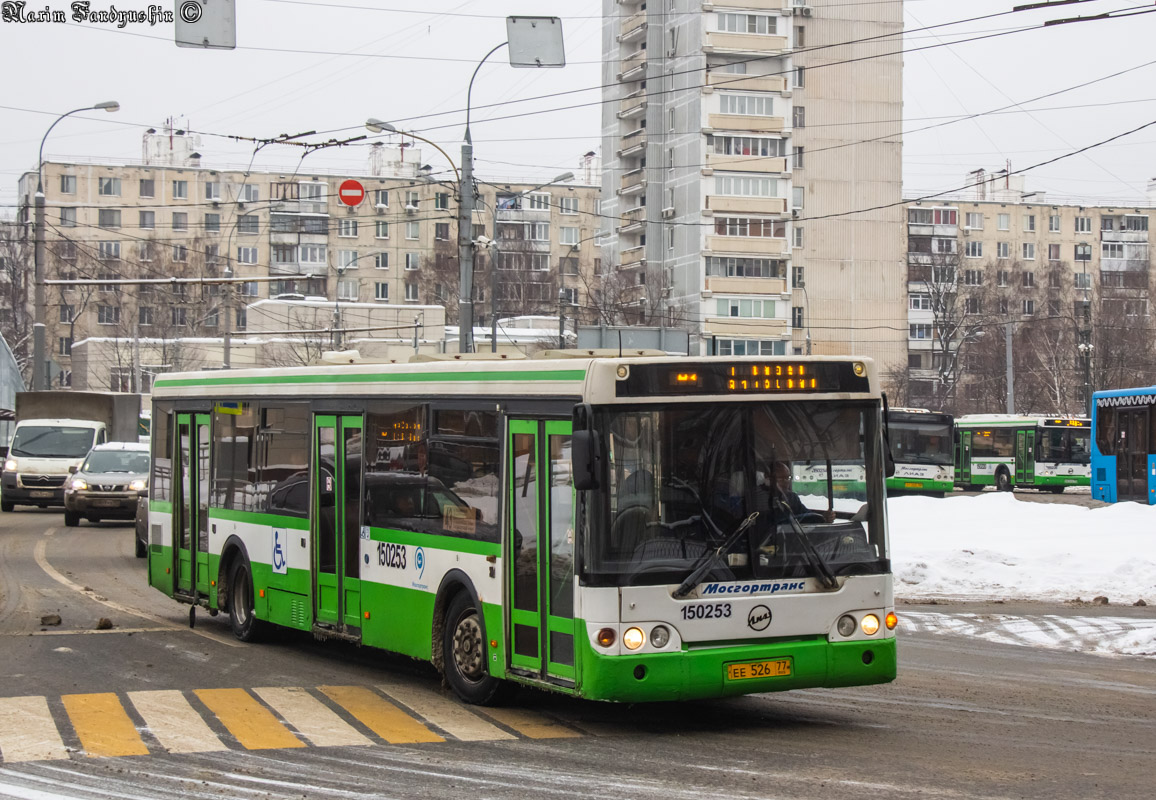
[108, 724]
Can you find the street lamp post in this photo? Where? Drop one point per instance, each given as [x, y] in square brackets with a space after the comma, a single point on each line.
[39, 355]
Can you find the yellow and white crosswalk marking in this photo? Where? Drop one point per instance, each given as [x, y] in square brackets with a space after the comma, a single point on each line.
[27, 731]
[174, 722]
[104, 723]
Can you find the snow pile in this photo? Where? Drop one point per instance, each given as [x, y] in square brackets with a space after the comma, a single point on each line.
[993, 546]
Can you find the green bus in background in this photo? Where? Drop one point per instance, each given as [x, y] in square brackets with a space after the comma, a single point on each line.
[1008, 451]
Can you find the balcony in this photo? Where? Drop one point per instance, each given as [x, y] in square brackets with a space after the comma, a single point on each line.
[745, 327]
[747, 245]
[633, 28]
[633, 220]
[756, 83]
[631, 109]
[633, 182]
[1124, 236]
[741, 122]
[756, 286]
[633, 67]
[773, 164]
[750, 5]
[754, 43]
[747, 205]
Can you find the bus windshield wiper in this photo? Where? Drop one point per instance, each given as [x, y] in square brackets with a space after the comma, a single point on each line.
[826, 577]
[707, 561]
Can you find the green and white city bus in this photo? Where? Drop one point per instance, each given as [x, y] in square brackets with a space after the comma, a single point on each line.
[1008, 451]
[599, 526]
[921, 443]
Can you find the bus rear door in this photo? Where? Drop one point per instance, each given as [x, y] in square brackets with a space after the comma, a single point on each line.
[540, 549]
[1132, 454]
[191, 507]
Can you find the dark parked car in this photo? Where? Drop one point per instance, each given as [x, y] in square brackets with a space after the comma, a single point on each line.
[108, 484]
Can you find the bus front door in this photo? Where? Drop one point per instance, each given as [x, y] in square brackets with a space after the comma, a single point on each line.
[1025, 458]
[540, 549]
[963, 460]
[191, 509]
[335, 522]
[1132, 454]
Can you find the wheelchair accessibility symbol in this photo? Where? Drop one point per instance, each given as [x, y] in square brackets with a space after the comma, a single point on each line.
[280, 564]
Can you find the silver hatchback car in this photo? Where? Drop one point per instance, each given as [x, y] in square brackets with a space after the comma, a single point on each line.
[107, 485]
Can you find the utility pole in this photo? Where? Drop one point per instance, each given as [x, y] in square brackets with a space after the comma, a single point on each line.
[39, 355]
[1011, 378]
[466, 249]
[227, 299]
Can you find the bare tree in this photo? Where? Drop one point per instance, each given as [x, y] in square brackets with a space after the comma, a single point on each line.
[15, 286]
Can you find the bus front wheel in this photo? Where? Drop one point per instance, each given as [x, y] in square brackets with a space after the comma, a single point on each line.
[1003, 481]
[464, 654]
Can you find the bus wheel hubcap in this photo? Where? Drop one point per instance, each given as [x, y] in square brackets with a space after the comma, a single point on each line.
[240, 600]
[468, 647]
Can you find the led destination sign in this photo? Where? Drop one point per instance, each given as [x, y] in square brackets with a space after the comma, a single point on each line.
[1067, 423]
[742, 378]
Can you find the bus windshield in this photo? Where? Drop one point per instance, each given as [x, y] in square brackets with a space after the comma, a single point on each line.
[913, 443]
[681, 478]
[1055, 445]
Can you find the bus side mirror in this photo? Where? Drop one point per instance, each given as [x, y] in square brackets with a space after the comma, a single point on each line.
[585, 459]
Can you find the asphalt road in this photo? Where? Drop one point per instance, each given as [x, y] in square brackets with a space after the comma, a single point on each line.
[965, 719]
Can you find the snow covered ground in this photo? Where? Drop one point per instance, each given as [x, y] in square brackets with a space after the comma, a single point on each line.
[995, 547]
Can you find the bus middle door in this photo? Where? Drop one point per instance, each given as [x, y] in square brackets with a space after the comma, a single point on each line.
[335, 521]
[540, 615]
[191, 509]
[963, 459]
[1025, 457]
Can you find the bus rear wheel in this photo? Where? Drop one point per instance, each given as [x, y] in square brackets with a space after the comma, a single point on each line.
[1003, 481]
[242, 620]
[464, 654]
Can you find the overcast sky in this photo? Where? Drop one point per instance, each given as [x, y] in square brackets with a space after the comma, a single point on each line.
[309, 65]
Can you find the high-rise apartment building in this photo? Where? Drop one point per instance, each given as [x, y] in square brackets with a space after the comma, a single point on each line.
[744, 143]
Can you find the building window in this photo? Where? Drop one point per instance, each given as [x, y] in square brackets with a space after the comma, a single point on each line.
[180, 253]
[246, 255]
[107, 287]
[212, 253]
[974, 221]
[1029, 280]
[347, 259]
[1029, 251]
[212, 223]
[442, 200]
[1053, 252]
[943, 274]
[442, 231]
[1002, 278]
[919, 302]
[247, 289]
[1053, 223]
[347, 290]
[798, 117]
[797, 198]
[746, 105]
[381, 291]
[568, 235]
[796, 317]
[945, 216]
[68, 184]
[797, 158]
[412, 230]
[180, 221]
[64, 345]
[745, 226]
[381, 229]
[1029, 307]
[797, 236]
[248, 223]
[68, 217]
[411, 199]
[538, 201]
[1003, 250]
[944, 246]
[249, 193]
[568, 266]
[1107, 223]
[108, 187]
[1083, 252]
[1083, 280]
[1083, 224]
[745, 186]
[144, 251]
[1135, 224]
[973, 249]
[242, 319]
[973, 277]
[66, 250]
[1029, 223]
[972, 305]
[568, 205]
[1111, 250]
[746, 146]
[727, 267]
[179, 316]
[108, 250]
[144, 316]
[412, 261]
[800, 76]
[180, 190]
[381, 198]
[800, 36]
[66, 313]
[347, 228]
[1003, 222]
[746, 308]
[747, 23]
[147, 220]
[919, 331]
[798, 277]
[212, 190]
[919, 216]
[312, 254]
[1055, 279]
[411, 292]
[381, 261]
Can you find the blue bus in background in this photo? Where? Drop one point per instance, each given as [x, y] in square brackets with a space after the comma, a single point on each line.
[1124, 445]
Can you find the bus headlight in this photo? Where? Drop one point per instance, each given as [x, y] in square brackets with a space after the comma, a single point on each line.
[633, 638]
[606, 637]
[870, 624]
[891, 620]
[660, 636]
[846, 625]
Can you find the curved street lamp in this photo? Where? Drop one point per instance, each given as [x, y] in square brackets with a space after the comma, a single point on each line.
[39, 356]
[378, 126]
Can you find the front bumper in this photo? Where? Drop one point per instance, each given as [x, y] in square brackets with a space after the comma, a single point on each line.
[105, 504]
[36, 493]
